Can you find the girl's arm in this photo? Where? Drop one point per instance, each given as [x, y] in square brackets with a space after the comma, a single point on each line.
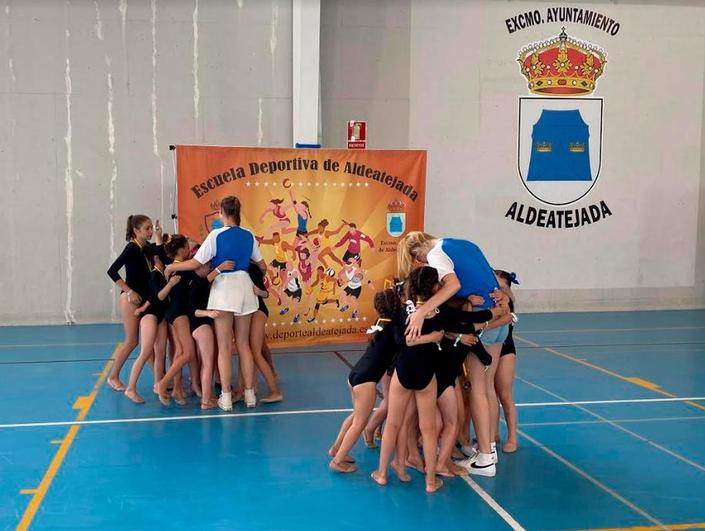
[139, 311]
[187, 265]
[164, 292]
[433, 337]
[450, 287]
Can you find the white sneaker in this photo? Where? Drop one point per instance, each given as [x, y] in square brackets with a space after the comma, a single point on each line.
[225, 401]
[469, 450]
[472, 466]
[495, 455]
[250, 399]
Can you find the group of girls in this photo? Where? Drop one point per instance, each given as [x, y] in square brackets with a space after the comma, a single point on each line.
[204, 302]
[442, 349]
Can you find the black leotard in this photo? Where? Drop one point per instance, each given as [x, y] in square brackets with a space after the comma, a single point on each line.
[178, 297]
[377, 357]
[198, 293]
[157, 307]
[137, 263]
[258, 280]
[508, 346]
[417, 364]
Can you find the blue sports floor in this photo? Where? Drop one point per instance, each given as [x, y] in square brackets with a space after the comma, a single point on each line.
[612, 423]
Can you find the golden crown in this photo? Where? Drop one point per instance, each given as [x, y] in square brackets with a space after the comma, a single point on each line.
[562, 65]
[396, 206]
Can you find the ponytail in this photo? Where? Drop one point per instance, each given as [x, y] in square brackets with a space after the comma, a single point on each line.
[134, 222]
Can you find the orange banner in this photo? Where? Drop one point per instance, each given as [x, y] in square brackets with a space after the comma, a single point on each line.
[328, 222]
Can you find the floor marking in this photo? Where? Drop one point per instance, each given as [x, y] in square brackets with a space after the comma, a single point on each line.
[312, 412]
[594, 481]
[489, 500]
[621, 428]
[84, 404]
[55, 345]
[695, 525]
[578, 330]
[28, 491]
[630, 380]
[618, 421]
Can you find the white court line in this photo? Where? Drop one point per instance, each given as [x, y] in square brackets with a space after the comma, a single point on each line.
[54, 345]
[593, 402]
[618, 421]
[616, 495]
[665, 450]
[578, 330]
[137, 420]
[489, 500]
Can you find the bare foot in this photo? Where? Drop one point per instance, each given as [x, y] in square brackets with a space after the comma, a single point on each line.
[197, 392]
[369, 439]
[179, 398]
[209, 404]
[444, 472]
[332, 451]
[457, 454]
[271, 398]
[379, 478]
[433, 487]
[458, 470]
[160, 390]
[116, 385]
[417, 465]
[344, 467]
[401, 472]
[134, 396]
[238, 396]
[509, 447]
[378, 434]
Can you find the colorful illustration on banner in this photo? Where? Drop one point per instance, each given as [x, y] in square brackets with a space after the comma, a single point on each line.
[560, 130]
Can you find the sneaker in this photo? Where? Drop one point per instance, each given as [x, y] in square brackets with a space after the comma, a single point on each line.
[284, 311]
[250, 399]
[310, 319]
[469, 451]
[354, 315]
[471, 465]
[344, 307]
[225, 401]
[297, 318]
[495, 457]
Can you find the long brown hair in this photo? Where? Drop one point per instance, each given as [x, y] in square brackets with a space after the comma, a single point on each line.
[230, 205]
[134, 222]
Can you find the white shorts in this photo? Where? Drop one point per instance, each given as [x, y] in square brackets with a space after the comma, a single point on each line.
[233, 292]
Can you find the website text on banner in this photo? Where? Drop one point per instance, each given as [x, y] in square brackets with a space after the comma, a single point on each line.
[328, 222]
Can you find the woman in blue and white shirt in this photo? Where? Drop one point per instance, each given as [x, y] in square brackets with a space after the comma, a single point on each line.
[232, 294]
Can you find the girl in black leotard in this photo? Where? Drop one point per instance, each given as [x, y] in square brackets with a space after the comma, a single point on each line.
[134, 289]
[177, 248]
[364, 377]
[506, 370]
[415, 375]
[153, 328]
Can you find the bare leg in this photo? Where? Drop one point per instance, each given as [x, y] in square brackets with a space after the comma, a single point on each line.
[379, 415]
[504, 381]
[224, 337]
[448, 405]
[205, 343]
[242, 340]
[182, 334]
[363, 402]
[256, 343]
[160, 351]
[131, 325]
[426, 404]
[492, 401]
[398, 398]
[148, 332]
[479, 407]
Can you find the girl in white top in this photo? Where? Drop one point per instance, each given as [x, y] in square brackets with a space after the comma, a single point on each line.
[232, 295]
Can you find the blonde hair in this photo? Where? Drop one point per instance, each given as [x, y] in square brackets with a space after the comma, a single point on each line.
[405, 249]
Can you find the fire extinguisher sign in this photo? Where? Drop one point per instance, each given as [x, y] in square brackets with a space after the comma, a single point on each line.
[357, 134]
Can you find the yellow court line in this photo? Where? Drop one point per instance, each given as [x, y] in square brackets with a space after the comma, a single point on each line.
[84, 404]
[695, 525]
[630, 379]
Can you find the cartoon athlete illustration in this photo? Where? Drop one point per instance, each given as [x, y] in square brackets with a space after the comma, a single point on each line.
[325, 279]
[277, 273]
[320, 243]
[354, 237]
[293, 291]
[353, 276]
[278, 210]
[303, 215]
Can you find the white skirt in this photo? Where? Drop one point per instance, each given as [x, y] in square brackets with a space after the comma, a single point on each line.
[233, 292]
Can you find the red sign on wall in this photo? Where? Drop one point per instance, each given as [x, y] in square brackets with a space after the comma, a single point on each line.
[357, 134]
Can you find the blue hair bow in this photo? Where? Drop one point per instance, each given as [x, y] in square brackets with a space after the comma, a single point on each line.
[513, 278]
